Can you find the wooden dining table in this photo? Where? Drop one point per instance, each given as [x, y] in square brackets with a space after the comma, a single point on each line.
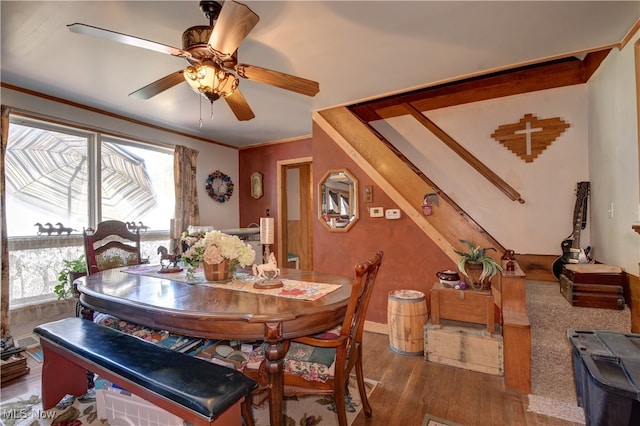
[218, 311]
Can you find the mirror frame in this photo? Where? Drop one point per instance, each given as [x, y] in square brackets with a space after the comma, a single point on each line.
[353, 196]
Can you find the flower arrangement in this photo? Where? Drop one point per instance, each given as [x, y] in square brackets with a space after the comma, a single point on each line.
[214, 247]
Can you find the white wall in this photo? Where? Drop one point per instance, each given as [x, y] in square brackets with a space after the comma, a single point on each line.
[547, 184]
[211, 157]
[613, 164]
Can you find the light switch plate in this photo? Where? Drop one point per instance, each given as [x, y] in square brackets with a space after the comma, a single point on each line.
[392, 213]
[375, 212]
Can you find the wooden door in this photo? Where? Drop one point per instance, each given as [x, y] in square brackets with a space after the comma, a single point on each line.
[296, 213]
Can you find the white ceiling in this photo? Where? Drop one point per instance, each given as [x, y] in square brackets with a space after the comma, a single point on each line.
[356, 50]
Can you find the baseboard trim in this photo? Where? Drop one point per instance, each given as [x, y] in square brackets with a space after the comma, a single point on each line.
[376, 327]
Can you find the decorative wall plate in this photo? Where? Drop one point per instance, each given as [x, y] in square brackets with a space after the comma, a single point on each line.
[219, 186]
[256, 185]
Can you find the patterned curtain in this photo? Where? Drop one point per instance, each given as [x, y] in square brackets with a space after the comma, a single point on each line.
[4, 254]
[186, 188]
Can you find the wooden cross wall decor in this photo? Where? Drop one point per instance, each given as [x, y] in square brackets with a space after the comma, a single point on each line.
[530, 136]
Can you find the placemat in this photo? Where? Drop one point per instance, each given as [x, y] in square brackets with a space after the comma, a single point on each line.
[292, 289]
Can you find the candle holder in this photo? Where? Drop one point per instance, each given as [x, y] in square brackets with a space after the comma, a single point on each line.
[267, 233]
[268, 259]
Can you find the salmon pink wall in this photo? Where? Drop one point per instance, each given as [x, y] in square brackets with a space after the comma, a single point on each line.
[264, 159]
[411, 259]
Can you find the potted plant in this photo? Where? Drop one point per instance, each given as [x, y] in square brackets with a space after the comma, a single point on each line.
[477, 266]
[71, 270]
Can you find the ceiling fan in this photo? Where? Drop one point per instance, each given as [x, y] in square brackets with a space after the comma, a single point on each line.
[211, 52]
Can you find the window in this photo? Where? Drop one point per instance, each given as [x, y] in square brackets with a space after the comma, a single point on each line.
[55, 190]
[135, 183]
[47, 178]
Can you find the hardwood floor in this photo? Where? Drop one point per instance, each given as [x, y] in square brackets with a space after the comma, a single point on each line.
[409, 388]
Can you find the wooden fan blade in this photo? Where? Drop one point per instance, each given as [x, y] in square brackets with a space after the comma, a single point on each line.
[235, 21]
[158, 86]
[278, 79]
[127, 39]
[239, 106]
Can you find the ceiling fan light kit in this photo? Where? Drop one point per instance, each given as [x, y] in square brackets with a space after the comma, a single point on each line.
[210, 81]
[195, 40]
[211, 51]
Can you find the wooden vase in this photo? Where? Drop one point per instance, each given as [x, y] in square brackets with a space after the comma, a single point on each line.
[474, 270]
[217, 271]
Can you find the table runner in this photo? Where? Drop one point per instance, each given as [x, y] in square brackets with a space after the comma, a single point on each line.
[292, 289]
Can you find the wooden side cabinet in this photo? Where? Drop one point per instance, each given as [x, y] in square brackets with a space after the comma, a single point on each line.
[475, 306]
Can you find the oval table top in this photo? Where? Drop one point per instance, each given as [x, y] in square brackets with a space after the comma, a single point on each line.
[213, 311]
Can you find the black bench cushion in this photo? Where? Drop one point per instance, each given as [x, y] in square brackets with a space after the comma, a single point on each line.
[206, 388]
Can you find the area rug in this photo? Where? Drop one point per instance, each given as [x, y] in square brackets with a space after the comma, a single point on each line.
[316, 409]
[35, 353]
[430, 420]
[551, 315]
[309, 410]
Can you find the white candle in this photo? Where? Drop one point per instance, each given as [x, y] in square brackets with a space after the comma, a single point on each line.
[266, 230]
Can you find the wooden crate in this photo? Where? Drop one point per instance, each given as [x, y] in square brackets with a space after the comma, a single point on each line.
[593, 273]
[464, 345]
[475, 306]
[605, 296]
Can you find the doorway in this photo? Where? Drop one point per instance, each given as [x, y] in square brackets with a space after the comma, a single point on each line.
[295, 205]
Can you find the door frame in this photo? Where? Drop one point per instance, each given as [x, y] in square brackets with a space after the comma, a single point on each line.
[281, 229]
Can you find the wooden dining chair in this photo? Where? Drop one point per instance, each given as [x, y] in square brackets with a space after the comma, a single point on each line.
[306, 362]
[111, 245]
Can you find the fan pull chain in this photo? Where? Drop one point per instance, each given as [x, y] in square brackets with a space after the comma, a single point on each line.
[200, 122]
[211, 110]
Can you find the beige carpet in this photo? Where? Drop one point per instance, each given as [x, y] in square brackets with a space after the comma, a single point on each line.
[550, 314]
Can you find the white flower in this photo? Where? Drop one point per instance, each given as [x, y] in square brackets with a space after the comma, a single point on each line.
[215, 246]
[212, 255]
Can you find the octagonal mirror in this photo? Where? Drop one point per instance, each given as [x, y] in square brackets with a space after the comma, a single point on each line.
[338, 200]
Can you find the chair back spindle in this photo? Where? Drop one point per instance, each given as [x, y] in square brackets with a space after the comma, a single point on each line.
[353, 324]
[111, 245]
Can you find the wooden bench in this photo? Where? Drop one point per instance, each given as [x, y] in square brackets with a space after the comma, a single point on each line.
[197, 391]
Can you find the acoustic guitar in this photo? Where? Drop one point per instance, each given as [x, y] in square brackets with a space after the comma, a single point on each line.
[571, 250]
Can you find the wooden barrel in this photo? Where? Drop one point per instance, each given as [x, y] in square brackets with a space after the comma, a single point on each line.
[406, 316]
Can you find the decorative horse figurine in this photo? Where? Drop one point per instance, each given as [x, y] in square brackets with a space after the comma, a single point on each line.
[172, 258]
[41, 229]
[62, 229]
[271, 266]
[49, 227]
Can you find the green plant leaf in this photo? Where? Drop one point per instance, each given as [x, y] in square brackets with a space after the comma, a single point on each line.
[477, 254]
